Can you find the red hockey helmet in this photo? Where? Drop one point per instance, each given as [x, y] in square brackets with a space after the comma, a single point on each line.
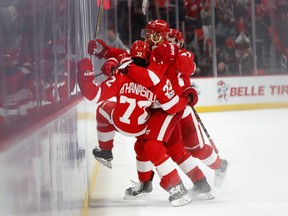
[158, 26]
[176, 37]
[140, 49]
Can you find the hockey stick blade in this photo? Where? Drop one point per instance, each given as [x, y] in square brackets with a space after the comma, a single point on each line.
[144, 6]
[125, 64]
[104, 162]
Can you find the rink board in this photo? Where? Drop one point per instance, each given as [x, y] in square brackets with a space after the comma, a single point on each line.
[238, 93]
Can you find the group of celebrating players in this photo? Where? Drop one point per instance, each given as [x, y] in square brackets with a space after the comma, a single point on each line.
[151, 83]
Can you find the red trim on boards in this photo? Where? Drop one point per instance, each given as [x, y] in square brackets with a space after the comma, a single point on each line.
[11, 134]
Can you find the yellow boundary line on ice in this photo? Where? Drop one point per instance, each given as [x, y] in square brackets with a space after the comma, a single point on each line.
[86, 115]
[241, 107]
[235, 107]
[85, 208]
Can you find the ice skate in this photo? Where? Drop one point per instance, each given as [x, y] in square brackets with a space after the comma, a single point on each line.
[179, 195]
[141, 189]
[103, 156]
[220, 173]
[201, 190]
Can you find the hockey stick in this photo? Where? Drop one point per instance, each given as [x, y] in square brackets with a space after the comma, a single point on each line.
[97, 29]
[205, 130]
[98, 75]
[145, 6]
[99, 16]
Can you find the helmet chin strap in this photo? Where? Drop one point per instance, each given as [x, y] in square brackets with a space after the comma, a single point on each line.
[154, 41]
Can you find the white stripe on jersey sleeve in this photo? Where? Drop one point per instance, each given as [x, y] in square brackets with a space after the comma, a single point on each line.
[95, 100]
[154, 78]
[171, 103]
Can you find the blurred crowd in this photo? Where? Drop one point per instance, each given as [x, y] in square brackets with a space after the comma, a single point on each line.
[231, 22]
[35, 67]
[41, 40]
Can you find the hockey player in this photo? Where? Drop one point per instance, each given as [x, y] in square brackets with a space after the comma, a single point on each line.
[163, 60]
[184, 64]
[192, 137]
[132, 112]
[175, 149]
[160, 125]
[159, 30]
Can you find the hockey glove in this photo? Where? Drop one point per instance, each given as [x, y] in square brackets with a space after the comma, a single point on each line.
[165, 52]
[98, 48]
[192, 95]
[109, 66]
[124, 57]
[85, 70]
[85, 77]
[124, 60]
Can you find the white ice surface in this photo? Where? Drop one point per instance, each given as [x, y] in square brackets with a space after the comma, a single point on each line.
[254, 142]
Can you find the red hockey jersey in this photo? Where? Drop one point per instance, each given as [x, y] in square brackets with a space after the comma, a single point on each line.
[178, 71]
[134, 101]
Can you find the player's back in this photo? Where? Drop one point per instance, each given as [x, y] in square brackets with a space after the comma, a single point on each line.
[132, 109]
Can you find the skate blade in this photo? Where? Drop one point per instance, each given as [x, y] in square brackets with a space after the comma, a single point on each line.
[104, 162]
[184, 200]
[142, 196]
[201, 196]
